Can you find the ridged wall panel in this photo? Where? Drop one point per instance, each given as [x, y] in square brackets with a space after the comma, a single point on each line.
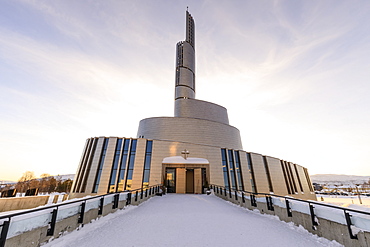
[190, 130]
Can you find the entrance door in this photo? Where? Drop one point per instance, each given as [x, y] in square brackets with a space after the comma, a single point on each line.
[190, 181]
[171, 180]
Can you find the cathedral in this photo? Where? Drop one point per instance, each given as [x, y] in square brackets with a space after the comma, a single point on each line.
[185, 153]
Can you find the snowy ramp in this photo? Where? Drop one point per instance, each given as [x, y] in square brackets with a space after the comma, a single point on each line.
[189, 220]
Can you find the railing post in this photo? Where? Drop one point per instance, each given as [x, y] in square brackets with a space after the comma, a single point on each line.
[141, 193]
[4, 232]
[51, 229]
[270, 206]
[243, 199]
[230, 193]
[115, 201]
[236, 195]
[288, 208]
[253, 200]
[349, 223]
[313, 216]
[82, 213]
[146, 192]
[101, 205]
[136, 194]
[128, 198]
[150, 191]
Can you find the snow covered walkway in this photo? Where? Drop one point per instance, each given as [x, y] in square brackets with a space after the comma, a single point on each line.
[189, 220]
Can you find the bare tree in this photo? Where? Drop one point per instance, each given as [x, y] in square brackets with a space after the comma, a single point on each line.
[44, 182]
[24, 182]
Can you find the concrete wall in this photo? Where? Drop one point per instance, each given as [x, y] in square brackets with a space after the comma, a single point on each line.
[328, 229]
[16, 203]
[38, 236]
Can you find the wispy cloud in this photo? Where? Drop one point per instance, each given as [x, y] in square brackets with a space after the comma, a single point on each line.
[287, 72]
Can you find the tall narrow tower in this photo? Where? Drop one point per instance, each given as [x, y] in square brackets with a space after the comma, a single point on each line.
[185, 63]
[194, 121]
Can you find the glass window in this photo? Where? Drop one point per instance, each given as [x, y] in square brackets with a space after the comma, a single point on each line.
[225, 168]
[113, 175]
[238, 170]
[251, 173]
[131, 163]
[100, 167]
[122, 167]
[204, 179]
[232, 169]
[268, 173]
[148, 158]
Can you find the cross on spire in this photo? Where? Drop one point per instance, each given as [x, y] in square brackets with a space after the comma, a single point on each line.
[185, 153]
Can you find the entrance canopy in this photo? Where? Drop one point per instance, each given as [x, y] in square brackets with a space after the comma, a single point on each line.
[181, 160]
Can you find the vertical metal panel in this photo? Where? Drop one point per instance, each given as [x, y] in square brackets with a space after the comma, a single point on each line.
[81, 166]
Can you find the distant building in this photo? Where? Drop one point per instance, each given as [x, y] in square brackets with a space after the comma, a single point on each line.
[317, 187]
[186, 152]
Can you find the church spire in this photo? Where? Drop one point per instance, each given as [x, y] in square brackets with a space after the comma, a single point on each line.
[185, 63]
[190, 37]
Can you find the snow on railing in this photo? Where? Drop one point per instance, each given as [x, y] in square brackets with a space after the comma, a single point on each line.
[355, 220]
[14, 224]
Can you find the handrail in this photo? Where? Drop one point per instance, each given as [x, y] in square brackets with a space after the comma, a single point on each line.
[50, 231]
[269, 202]
[294, 199]
[69, 202]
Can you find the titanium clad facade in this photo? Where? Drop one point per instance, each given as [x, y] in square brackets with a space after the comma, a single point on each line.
[134, 165]
[192, 130]
[187, 152]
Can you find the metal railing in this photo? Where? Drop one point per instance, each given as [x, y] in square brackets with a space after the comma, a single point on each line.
[221, 190]
[5, 220]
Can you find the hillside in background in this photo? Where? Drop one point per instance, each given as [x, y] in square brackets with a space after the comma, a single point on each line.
[339, 178]
[57, 177]
[64, 177]
[7, 182]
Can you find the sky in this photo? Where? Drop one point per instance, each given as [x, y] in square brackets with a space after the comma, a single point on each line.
[294, 76]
